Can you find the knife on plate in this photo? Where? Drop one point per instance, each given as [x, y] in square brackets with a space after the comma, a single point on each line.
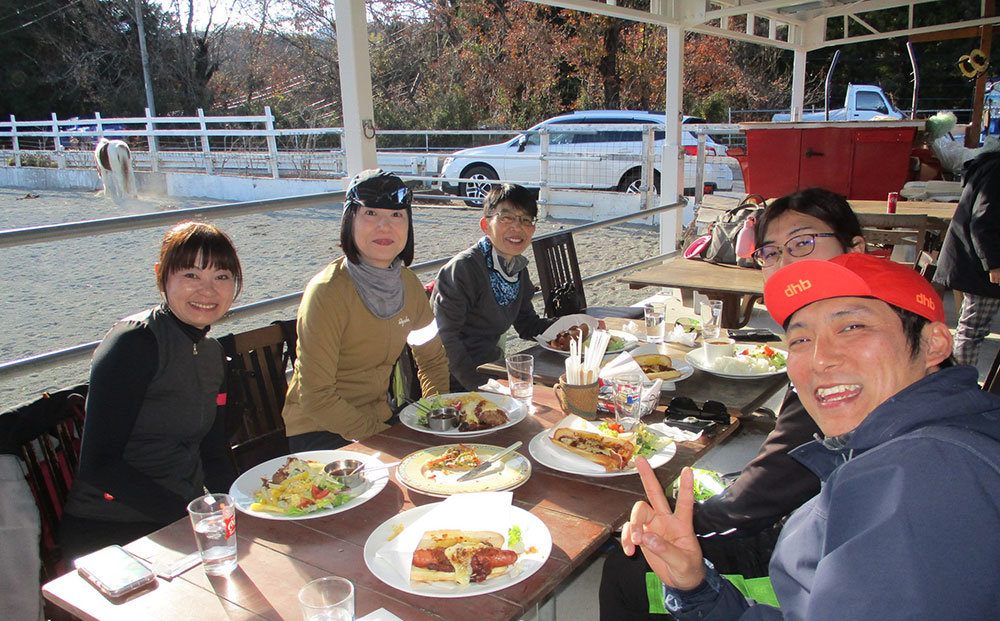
[481, 469]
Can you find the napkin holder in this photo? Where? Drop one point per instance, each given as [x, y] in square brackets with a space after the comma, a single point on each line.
[579, 400]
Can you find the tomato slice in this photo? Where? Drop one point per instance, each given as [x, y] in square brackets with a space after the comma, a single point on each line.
[305, 503]
[318, 492]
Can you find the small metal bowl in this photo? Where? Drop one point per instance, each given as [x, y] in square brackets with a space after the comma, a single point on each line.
[348, 472]
[443, 419]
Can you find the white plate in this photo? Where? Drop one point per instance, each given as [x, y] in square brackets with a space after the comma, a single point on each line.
[697, 359]
[513, 472]
[547, 454]
[248, 483]
[516, 412]
[681, 365]
[534, 533]
[631, 341]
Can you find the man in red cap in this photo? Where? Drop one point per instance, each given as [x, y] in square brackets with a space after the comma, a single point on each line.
[905, 523]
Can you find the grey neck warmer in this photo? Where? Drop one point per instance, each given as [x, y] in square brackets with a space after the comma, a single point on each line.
[510, 270]
[380, 288]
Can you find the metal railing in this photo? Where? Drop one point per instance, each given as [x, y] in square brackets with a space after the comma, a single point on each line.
[41, 362]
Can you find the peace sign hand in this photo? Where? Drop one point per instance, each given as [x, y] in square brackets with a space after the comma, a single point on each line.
[667, 537]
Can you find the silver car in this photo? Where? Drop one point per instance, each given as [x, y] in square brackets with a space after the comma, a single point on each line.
[601, 158]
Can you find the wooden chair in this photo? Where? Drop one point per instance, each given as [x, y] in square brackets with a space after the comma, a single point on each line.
[992, 383]
[259, 360]
[46, 434]
[561, 283]
[889, 230]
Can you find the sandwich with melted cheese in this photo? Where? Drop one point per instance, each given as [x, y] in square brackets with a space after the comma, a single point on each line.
[460, 556]
[610, 453]
[657, 366]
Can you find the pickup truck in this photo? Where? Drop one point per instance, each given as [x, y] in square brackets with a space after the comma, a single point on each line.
[862, 103]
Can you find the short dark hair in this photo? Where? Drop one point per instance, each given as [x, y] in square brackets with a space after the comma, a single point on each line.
[184, 242]
[913, 329]
[371, 185]
[521, 197]
[830, 207]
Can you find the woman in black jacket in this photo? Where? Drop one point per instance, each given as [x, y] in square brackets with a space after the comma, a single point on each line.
[154, 431]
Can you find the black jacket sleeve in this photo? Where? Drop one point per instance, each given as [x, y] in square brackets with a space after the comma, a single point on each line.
[771, 486]
[123, 366]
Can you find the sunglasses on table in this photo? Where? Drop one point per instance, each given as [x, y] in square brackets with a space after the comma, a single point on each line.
[395, 199]
[680, 408]
[798, 246]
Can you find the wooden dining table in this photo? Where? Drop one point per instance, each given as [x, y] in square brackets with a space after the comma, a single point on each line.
[738, 287]
[942, 212]
[277, 557]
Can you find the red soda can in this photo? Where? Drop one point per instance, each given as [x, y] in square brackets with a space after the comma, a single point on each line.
[890, 203]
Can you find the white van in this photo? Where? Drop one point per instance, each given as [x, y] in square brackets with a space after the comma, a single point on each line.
[599, 158]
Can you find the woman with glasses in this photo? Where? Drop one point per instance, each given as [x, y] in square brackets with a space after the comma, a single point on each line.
[354, 320]
[485, 289]
[738, 528]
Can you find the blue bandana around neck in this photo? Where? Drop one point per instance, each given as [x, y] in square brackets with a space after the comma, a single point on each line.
[505, 286]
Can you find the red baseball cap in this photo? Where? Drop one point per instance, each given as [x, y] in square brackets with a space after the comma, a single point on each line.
[853, 274]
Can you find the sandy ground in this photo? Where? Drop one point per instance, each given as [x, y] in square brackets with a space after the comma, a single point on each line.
[65, 293]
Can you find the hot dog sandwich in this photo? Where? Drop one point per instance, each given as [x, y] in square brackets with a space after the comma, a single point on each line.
[460, 556]
[657, 366]
[610, 453]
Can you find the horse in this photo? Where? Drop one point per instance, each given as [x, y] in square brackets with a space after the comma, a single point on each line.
[114, 166]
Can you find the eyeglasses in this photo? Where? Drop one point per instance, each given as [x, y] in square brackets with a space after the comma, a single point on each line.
[507, 219]
[798, 246]
[395, 199]
[682, 407]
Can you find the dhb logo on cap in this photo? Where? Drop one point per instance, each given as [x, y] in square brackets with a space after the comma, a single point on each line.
[927, 301]
[797, 287]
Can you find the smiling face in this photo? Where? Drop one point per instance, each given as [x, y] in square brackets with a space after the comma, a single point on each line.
[199, 296]
[508, 234]
[380, 234]
[848, 355]
[792, 224]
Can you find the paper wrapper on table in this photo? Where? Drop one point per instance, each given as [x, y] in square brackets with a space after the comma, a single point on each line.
[476, 511]
[579, 400]
[565, 322]
[679, 336]
[625, 364]
[674, 433]
[495, 387]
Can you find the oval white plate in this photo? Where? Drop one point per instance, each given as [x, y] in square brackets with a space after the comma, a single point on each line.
[513, 473]
[534, 533]
[697, 359]
[248, 483]
[516, 412]
[631, 341]
[548, 454]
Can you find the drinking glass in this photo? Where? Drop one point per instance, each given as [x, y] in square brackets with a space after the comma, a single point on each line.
[655, 323]
[520, 377]
[213, 518]
[627, 392]
[327, 599]
[711, 322]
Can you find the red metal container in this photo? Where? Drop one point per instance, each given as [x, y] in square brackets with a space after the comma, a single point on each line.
[861, 160]
[890, 202]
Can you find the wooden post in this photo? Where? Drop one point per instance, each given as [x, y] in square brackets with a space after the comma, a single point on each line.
[60, 158]
[985, 42]
[205, 150]
[100, 126]
[544, 191]
[272, 144]
[154, 157]
[13, 136]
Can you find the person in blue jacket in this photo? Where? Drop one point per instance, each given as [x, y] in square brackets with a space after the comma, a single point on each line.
[905, 525]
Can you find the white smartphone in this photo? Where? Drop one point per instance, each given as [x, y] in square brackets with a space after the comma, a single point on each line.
[114, 571]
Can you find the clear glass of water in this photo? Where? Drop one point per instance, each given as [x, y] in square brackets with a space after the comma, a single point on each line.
[520, 377]
[711, 321]
[628, 407]
[327, 599]
[655, 323]
[213, 518]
